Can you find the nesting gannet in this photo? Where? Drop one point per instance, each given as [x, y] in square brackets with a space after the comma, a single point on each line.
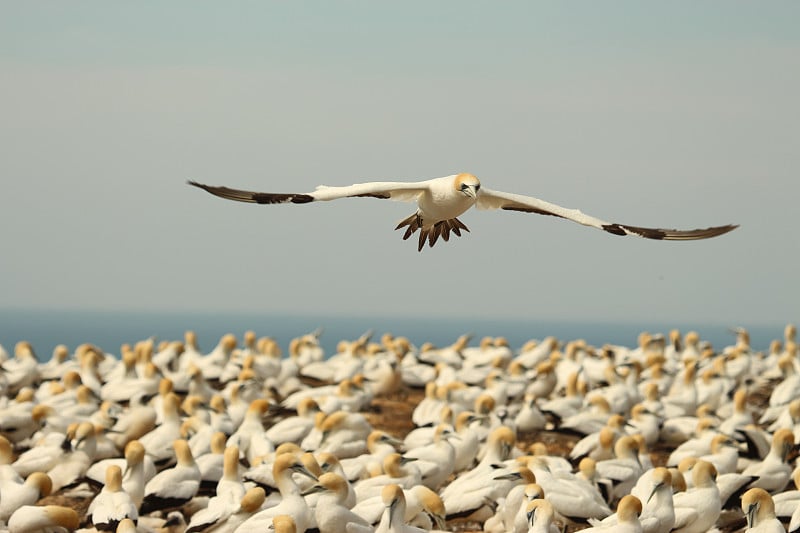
[773, 472]
[295, 428]
[589, 420]
[741, 415]
[219, 419]
[130, 383]
[236, 363]
[759, 509]
[788, 501]
[213, 363]
[113, 504]
[379, 445]
[58, 364]
[423, 435]
[498, 448]
[628, 512]
[43, 519]
[424, 508]
[393, 517]
[137, 470]
[159, 441]
[42, 457]
[13, 494]
[196, 428]
[573, 496]
[570, 402]
[624, 469]
[138, 420]
[198, 386]
[477, 502]
[530, 417]
[291, 503]
[330, 512]
[211, 463]
[512, 510]
[229, 494]
[261, 472]
[441, 200]
[23, 369]
[250, 436]
[647, 423]
[224, 516]
[705, 431]
[599, 445]
[175, 486]
[75, 463]
[654, 489]
[698, 509]
[344, 434]
[437, 460]
[396, 470]
[724, 454]
[330, 463]
[789, 418]
[21, 419]
[682, 397]
[540, 515]
[230, 484]
[467, 446]
[555, 463]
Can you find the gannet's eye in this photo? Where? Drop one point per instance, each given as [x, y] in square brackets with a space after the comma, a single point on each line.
[463, 186]
[478, 187]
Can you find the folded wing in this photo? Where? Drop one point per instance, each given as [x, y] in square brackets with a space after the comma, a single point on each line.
[489, 199]
[377, 189]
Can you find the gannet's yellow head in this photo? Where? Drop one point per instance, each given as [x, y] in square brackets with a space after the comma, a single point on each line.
[391, 494]
[468, 185]
[629, 508]
[758, 506]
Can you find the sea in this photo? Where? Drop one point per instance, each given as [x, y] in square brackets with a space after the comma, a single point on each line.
[45, 329]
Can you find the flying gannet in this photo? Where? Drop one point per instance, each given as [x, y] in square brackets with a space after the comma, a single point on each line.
[441, 200]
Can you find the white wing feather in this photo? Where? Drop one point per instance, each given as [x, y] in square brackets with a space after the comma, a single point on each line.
[393, 190]
[489, 199]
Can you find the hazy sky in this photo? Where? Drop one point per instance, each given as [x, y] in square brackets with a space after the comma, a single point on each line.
[671, 114]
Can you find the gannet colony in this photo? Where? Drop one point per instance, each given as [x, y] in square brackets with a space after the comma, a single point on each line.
[673, 434]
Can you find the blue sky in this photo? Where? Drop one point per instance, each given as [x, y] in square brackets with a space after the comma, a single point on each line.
[679, 114]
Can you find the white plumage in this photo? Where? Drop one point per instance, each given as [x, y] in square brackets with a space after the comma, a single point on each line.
[441, 200]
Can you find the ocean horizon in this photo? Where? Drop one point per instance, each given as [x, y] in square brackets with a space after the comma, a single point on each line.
[45, 329]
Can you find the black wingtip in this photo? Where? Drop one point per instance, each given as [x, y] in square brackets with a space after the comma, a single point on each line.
[669, 234]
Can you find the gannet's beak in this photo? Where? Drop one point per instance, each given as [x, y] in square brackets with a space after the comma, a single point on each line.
[300, 469]
[471, 192]
[314, 489]
[438, 520]
[655, 488]
[751, 514]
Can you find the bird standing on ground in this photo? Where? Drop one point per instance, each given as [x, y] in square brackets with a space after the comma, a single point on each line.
[440, 201]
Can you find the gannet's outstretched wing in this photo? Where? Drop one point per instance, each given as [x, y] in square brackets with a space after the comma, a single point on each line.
[489, 199]
[378, 189]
